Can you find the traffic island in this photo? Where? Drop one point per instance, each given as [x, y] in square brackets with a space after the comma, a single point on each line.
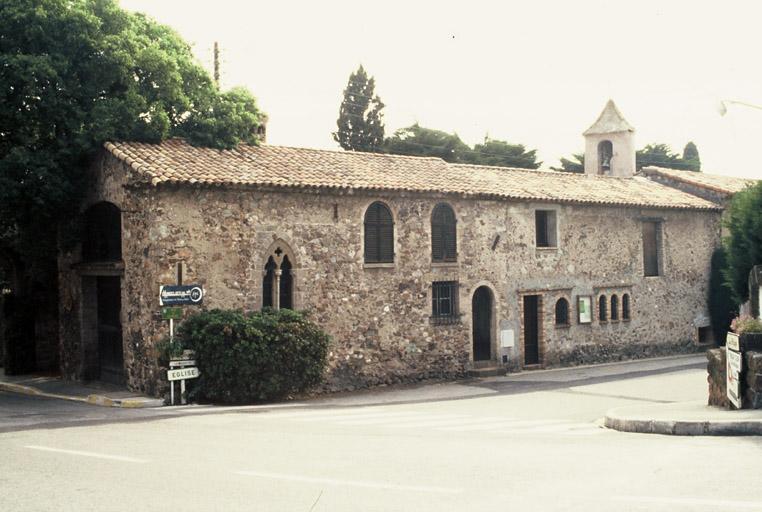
[685, 419]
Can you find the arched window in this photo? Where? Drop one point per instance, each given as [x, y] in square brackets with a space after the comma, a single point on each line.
[278, 281]
[625, 306]
[605, 153]
[614, 307]
[443, 241]
[102, 233]
[379, 234]
[562, 312]
[602, 308]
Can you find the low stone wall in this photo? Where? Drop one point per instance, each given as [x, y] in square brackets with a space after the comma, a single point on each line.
[751, 377]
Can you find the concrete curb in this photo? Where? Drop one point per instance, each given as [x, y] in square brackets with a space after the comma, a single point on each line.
[683, 427]
[94, 399]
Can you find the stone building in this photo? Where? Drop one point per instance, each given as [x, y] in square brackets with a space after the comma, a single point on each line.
[416, 267]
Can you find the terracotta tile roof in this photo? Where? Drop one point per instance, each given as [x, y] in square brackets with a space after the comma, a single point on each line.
[723, 184]
[175, 161]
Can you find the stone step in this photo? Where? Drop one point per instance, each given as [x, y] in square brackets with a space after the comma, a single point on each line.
[492, 371]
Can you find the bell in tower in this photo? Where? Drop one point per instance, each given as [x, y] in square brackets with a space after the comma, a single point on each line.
[609, 145]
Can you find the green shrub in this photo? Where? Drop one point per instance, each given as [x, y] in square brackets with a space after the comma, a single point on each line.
[250, 357]
[722, 307]
[744, 241]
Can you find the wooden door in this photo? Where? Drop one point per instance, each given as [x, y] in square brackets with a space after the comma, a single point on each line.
[110, 351]
[482, 324]
[531, 330]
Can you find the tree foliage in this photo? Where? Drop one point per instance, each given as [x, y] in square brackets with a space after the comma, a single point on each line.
[360, 123]
[691, 157]
[417, 140]
[743, 245]
[575, 164]
[74, 73]
[722, 307]
[502, 154]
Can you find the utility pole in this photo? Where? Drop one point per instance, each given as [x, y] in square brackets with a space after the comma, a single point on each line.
[217, 64]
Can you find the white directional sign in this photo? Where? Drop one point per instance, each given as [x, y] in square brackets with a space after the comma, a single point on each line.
[182, 374]
[733, 370]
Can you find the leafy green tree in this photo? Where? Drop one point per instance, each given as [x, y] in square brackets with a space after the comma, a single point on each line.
[73, 74]
[659, 155]
[416, 140]
[576, 164]
[743, 245]
[503, 154]
[360, 123]
[691, 158]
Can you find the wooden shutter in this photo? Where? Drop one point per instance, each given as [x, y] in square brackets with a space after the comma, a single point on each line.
[541, 228]
[650, 249]
[443, 234]
[379, 234]
[625, 307]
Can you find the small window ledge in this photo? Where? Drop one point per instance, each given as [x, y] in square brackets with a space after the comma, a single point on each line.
[564, 326]
[379, 265]
[444, 264]
[444, 320]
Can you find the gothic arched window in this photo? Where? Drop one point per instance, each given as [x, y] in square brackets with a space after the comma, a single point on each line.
[562, 312]
[614, 307]
[379, 234]
[278, 281]
[602, 303]
[626, 306]
[443, 234]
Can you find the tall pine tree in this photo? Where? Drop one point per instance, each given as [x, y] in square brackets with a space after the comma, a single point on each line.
[360, 123]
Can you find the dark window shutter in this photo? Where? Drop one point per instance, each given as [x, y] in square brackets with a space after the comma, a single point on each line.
[379, 234]
[614, 307]
[541, 228]
[650, 249]
[443, 234]
[625, 307]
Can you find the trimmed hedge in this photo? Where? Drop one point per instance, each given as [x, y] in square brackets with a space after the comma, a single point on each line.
[251, 357]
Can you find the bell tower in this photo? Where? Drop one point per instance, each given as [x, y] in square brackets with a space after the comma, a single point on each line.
[610, 145]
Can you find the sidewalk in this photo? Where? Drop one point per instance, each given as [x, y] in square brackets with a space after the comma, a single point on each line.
[685, 419]
[91, 393]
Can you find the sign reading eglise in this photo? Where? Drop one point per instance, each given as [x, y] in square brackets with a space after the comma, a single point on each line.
[178, 295]
[182, 374]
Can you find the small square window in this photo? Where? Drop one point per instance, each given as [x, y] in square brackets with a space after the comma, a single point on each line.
[444, 302]
[545, 228]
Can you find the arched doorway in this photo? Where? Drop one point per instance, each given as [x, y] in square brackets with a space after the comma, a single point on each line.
[481, 314]
[101, 269]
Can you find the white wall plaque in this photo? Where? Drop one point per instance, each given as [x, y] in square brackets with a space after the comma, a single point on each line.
[506, 338]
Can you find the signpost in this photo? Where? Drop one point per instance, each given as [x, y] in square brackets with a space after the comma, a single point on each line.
[180, 370]
[733, 367]
[171, 297]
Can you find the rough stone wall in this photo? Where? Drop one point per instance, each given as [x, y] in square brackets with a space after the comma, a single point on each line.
[378, 315]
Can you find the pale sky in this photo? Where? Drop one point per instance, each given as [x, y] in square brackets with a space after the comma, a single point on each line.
[535, 72]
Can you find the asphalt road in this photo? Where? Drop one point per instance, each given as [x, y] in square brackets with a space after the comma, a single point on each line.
[498, 446]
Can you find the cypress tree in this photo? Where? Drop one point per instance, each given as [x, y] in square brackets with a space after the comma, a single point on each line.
[360, 123]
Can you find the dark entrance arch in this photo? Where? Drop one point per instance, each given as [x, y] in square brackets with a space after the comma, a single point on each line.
[481, 309]
[101, 268]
